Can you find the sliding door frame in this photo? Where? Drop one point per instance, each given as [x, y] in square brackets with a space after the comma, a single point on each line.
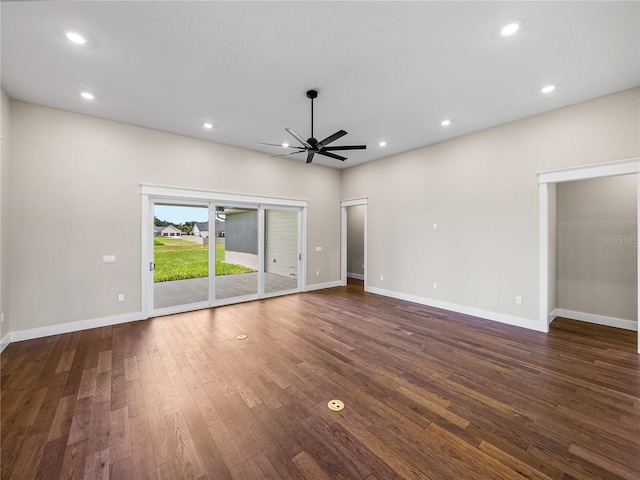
[151, 194]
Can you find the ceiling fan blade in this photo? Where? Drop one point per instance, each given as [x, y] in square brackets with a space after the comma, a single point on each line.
[278, 145]
[310, 156]
[297, 136]
[331, 155]
[345, 147]
[332, 138]
[285, 154]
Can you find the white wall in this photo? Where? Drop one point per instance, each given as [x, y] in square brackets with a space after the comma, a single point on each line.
[80, 176]
[597, 247]
[481, 190]
[74, 173]
[5, 132]
[355, 240]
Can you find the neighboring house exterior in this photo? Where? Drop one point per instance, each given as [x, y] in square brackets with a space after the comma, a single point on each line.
[168, 231]
[219, 228]
[200, 229]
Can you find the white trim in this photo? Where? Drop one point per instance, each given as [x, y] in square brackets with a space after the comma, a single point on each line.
[302, 274]
[61, 328]
[343, 245]
[354, 201]
[4, 343]
[357, 276]
[218, 197]
[598, 319]
[594, 170]
[321, 286]
[232, 300]
[452, 307]
[182, 308]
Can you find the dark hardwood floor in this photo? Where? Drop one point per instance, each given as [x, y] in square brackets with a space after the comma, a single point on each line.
[427, 393]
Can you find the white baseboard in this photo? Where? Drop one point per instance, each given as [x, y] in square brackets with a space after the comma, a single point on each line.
[452, 307]
[320, 286]
[599, 319]
[357, 276]
[73, 326]
[5, 341]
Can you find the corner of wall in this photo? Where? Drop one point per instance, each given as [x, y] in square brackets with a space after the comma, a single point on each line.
[5, 155]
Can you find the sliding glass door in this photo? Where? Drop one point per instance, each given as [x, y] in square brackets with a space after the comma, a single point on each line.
[204, 252]
[281, 250]
[237, 255]
[180, 263]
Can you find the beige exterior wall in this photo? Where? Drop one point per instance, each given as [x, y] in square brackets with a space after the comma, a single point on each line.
[281, 242]
[77, 173]
[481, 190]
[597, 247]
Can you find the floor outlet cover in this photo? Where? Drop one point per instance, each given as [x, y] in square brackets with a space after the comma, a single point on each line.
[241, 337]
[336, 405]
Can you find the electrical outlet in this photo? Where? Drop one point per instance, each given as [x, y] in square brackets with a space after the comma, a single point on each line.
[121, 297]
[519, 300]
[317, 273]
[1, 317]
[108, 259]
[318, 249]
[381, 277]
[435, 286]
[435, 226]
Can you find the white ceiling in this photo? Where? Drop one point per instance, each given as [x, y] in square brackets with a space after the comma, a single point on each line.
[385, 71]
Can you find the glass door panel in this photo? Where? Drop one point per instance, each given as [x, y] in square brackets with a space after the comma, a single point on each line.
[236, 252]
[180, 255]
[281, 250]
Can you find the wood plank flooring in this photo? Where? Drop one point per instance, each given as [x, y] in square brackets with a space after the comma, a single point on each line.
[428, 395]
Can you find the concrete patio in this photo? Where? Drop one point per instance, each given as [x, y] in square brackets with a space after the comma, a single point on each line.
[193, 290]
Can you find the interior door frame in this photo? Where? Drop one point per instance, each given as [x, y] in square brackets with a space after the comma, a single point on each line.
[547, 182]
[343, 237]
[151, 194]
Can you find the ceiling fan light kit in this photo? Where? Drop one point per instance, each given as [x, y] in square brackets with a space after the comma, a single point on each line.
[311, 145]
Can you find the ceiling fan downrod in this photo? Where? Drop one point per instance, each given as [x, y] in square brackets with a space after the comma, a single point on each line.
[312, 94]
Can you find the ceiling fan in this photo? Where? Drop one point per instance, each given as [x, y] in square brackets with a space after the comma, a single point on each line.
[313, 146]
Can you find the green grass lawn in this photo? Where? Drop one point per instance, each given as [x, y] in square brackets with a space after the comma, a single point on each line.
[177, 259]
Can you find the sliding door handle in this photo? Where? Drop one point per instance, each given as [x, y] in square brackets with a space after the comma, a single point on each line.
[152, 266]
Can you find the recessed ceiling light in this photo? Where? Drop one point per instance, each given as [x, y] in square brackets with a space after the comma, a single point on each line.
[510, 29]
[87, 95]
[285, 145]
[207, 125]
[548, 89]
[76, 38]
[383, 144]
[444, 123]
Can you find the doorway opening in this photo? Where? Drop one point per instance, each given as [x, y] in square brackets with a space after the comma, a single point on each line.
[596, 264]
[354, 243]
[548, 182]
